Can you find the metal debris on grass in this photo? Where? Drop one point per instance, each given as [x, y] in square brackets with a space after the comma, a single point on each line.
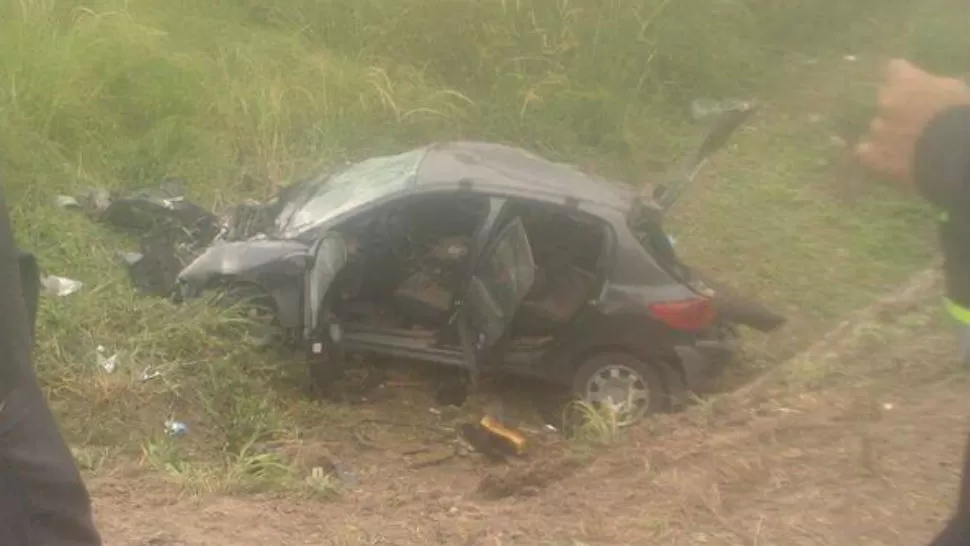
[176, 428]
[66, 202]
[130, 258]
[108, 363]
[60, 286]
[705, 109]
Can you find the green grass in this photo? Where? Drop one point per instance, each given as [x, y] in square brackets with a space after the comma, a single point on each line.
[238, 96]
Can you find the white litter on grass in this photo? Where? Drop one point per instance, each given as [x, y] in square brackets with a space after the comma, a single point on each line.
[176, 428]
[149, 374]
[108, 363]
[887, 406]
[66, 202]
[60, 286]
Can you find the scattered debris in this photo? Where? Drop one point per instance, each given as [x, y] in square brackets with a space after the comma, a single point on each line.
[332, 468]
[130, 258]
[433, 457]
[162, 256]
[108, 363]
[174, 230]
[850, 58]
[176, 428]
[704, 109]
[347, 476]
[94, 201]
[493, 439]
[148, 374]
[60, 286]
[66, 202]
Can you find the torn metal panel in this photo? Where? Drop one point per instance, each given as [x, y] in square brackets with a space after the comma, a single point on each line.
[276, 267]
[253, 261]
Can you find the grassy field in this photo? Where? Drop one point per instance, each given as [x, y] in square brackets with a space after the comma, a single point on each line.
[238, 96]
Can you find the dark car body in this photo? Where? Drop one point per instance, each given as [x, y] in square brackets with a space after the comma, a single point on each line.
[635, 296]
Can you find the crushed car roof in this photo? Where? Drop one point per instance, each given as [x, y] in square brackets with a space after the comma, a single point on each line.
[498, 167]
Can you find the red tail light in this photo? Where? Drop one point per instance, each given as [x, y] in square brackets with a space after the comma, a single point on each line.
[690, 315]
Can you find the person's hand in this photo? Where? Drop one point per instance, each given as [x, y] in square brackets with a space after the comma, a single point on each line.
[909, 99]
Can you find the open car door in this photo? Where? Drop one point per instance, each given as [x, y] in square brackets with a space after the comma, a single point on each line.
[327, 257]
[498, 285]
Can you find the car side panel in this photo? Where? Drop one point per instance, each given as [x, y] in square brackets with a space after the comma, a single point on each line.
[637, 334]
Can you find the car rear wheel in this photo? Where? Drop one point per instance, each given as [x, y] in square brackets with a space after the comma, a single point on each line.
[620, 383]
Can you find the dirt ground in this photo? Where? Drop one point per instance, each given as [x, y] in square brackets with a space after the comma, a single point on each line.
[856, 441]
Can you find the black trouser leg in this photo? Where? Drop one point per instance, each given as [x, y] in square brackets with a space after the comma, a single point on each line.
[956, 533]
[957, 530]
[43, 496]
[43, 501]
[13, 508]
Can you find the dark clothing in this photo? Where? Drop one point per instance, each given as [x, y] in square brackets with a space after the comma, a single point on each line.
[942, 173]
[957, 531]
[43, 501]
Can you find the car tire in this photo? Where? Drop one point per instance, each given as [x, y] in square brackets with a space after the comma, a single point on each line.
[602, 376]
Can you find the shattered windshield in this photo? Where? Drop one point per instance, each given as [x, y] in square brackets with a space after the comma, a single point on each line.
[361, 183]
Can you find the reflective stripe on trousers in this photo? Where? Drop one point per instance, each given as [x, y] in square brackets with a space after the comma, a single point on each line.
[957, 311]
[962, 316]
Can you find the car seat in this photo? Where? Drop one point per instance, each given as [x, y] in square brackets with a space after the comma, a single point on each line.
[553, 303]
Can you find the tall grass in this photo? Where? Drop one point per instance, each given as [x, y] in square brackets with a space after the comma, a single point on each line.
[124, 92]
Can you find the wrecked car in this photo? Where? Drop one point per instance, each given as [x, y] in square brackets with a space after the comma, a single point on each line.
[488, 258]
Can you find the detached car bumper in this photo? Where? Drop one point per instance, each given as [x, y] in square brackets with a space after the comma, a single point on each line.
[702, 363]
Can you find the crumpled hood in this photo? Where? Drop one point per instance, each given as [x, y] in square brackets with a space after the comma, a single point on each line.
[243, 259]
